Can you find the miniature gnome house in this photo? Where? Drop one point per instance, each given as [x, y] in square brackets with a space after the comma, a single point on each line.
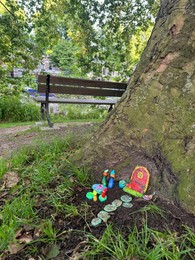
[138, 182]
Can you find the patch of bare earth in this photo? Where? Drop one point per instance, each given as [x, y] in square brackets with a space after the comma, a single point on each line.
[15, 138]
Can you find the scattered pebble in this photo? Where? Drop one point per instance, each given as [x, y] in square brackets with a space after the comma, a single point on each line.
[117, 203]
[126, 198]
[127, 205]
[110, 208]
[96, 221]
[103, 215]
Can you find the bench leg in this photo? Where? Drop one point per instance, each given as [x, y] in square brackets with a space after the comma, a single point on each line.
[42, 111]
[45, 111]
[110, 108]
[48, 119]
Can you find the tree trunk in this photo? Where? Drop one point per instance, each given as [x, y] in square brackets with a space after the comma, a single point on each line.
[153, 124]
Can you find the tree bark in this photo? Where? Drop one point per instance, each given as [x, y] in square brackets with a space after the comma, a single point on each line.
[153, 124]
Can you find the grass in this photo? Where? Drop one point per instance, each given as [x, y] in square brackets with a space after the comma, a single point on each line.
[8, 124]
[54, 120]
[152, 208]
[139, 244]
[45, 190]
[41, 185]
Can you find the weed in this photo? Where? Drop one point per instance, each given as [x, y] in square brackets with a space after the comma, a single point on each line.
[3, 167]
[143, 244]
[71, 210]
[49, 232]
[83, 177]
[152, 208]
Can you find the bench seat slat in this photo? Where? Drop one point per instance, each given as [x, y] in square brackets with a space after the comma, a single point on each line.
[82, 82]
[77, 101]
[81, 91]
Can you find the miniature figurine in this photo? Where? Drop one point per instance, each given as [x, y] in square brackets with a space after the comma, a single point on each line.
[103, 196]
[104, 178]
[111, 180]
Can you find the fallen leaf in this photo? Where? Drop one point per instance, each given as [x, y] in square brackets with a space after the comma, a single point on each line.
[25, 238]
[3, 194]
[11, 179]
[53, 251]
[15, 248]
[37, 233]
[19, 232]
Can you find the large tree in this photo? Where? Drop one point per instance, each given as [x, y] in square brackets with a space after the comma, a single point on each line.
[154, 122]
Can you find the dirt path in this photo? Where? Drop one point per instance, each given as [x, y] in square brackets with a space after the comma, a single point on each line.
[14, 138]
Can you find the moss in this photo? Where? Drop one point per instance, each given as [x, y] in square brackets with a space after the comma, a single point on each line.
[186, 193]
[122, 165]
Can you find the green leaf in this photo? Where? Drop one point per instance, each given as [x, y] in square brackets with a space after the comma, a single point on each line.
[53, 251]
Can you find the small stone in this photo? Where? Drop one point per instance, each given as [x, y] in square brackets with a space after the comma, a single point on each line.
[127, 205]
[103, 215]
[126, 198]
[110, 208]
[96, 221]
[117, 203]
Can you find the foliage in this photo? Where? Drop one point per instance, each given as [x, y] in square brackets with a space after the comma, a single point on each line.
[102, 31]
[84, 36]
[63, 56]
[13, 109]
[83, 112]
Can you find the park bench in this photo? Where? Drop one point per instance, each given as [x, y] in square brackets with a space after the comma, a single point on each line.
[72, 86]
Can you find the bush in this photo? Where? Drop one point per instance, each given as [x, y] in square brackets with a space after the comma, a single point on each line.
[84, 112]
[12, 109]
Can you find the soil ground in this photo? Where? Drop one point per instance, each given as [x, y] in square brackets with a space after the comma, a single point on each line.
[14, 138]
[172, 218]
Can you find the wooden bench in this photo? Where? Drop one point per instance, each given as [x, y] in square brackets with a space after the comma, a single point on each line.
[59, 85]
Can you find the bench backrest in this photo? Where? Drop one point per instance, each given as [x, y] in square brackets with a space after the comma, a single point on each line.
[62, 85]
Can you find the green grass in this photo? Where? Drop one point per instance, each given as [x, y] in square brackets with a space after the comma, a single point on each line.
[40, 182]
[54, 120]
[139, 244]
[47, 182]
[152, 208]
[10, 124]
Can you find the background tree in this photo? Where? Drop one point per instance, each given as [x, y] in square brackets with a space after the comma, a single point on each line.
[63, 56]
[99, 30]
[153, 124]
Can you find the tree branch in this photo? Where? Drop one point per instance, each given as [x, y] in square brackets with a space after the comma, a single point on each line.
[7, 8]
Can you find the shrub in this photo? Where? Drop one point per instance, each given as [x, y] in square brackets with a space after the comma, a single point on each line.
[13, 109]
[84, 112]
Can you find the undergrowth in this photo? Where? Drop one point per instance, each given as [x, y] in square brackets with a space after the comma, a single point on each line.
[140, 244]
[43, 192]
[40, 184]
